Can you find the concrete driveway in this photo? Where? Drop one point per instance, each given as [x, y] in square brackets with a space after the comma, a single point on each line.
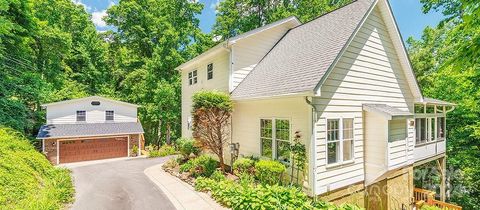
[117, 185]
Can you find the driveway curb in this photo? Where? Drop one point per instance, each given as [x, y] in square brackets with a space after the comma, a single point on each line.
[188, 198]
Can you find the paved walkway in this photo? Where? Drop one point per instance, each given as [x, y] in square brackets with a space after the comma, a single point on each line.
[181, 194]
[117, 184]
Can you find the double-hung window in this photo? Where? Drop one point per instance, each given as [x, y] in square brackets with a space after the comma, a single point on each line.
[340, 140]
[275, 139]
[210, 71]
[81, 116]
[109, 115]
[192, 77]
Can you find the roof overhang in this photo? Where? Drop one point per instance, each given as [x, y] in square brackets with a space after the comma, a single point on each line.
[432, 101]
[387, 111]
[225, 45]
[88, 98]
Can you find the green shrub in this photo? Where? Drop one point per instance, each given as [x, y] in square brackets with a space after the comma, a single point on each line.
[244, 165]
[186, 167]
[27, 179]
[166, 150]
[203, 165]
[236, 196]
[187, 147]
[135, 149]
[269, 171]
[218, 175]
[154, 153]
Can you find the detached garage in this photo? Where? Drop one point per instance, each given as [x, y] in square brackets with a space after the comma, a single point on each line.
[90, 128]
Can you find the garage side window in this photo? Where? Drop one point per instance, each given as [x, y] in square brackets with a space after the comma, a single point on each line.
[81, 116]
[109, 115]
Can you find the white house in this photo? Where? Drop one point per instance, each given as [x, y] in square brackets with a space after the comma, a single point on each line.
[344, 80]
[90, 128]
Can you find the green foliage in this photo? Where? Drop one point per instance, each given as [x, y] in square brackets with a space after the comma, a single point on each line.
[187, 147]
[237, 196]
[154, 153]
[446, 61]
[211, 119]
[237, 16]
[244, 165]
[27, 179]
[135, 149]
[166, 150]
[218, 176]
[269, 172]
[207, 99]
[203, 165]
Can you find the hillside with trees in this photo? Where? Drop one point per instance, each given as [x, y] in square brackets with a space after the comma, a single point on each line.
[50, 51]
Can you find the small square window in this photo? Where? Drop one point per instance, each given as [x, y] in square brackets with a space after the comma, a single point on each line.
[210, 71]
[192, 77]
[109, 115]
[81, 116]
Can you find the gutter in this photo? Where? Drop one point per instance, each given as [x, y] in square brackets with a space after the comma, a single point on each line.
[312, 169]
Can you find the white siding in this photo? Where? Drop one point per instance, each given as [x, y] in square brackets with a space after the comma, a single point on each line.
[376, 131]
[368, 72]
[249, 51]
[66, 113]
[246, 121]
[219, 82]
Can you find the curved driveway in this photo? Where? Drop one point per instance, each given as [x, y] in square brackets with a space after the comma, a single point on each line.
[117, 185]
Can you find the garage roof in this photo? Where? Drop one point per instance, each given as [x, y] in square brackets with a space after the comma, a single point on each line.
[88, 129]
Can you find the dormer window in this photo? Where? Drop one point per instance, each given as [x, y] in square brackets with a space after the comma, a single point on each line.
[81, 116]
[192, 77]
[210, 71]
[109, 115]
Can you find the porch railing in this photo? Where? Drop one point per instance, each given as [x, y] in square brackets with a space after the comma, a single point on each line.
[427, 197]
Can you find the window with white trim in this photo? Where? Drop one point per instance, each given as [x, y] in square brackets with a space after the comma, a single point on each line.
[192, 77]
[275, 139]
[210, 71]
[425, 129]
[340, 140]
[81, 116]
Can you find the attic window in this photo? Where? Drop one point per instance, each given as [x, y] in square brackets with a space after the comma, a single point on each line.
[95, 103]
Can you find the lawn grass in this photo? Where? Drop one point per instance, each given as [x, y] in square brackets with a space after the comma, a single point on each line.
[27, 179]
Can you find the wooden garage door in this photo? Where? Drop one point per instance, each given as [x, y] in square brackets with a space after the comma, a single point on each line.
[92, 149]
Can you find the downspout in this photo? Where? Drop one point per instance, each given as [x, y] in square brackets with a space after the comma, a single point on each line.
[312, 168]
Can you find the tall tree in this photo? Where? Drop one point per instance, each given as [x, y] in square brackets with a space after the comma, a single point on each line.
[161, 35]
[447, 62]
[238, 16]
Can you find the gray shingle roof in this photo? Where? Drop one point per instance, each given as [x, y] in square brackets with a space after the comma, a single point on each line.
[88, 129]
[386, 109]
[298, 62]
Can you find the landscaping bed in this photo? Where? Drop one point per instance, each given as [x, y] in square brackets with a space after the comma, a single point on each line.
[27, 179]
[255, 184]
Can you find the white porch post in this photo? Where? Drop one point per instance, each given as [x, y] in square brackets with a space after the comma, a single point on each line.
[128, 146]
[139, 144]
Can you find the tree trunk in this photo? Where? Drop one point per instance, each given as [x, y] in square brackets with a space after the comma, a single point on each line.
[220, 158]
[168, 140]
[159, 133]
